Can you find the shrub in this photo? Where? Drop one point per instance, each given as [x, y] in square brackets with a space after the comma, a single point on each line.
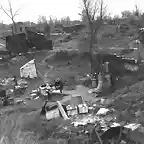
[131, 34]
[108, 35]
[132, 22]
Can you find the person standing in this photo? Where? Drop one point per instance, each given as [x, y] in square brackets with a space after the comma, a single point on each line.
[15, 80]
[110, 77]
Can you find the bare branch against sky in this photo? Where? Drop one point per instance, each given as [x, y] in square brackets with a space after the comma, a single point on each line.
[10, 13]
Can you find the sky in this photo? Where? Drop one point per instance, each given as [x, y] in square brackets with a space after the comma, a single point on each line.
[31, 9]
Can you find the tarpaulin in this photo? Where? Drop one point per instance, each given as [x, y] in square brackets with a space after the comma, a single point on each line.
[29, 70]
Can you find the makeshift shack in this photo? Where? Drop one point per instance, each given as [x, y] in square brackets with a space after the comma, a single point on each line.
[29, 70]
[23, 42]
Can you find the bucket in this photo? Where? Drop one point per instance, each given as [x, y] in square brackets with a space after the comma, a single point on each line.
[82, 109]
[94, 83]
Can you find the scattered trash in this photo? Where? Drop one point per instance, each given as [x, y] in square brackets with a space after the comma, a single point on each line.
[33, 95]
[106, 101]
[6, 82]
[102, 111]
[132, 126]
[71, 110]
[19, 101]
[7, 101]
[77, 111]
[90, 109]
[36, 98]
[47, 89]
[85, 120]
[83, 109]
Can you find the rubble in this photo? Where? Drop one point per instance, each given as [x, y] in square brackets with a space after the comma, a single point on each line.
[33, 95]
[6, 82]
[83, 116]
[103, 120]
[102, 111]
[11, 89]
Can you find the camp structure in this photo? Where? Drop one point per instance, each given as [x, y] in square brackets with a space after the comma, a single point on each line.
[25, 41]
[29, 70]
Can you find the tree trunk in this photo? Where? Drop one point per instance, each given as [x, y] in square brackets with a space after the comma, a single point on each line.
[14, 26]
[94, 59]
[90, 53]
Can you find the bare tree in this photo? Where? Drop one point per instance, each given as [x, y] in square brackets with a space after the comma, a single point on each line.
[95, 12]
[65, 21]
[137, 17]
[137, 11]
[47, 31]
[44, 26]
[126, 14]
[9, 12]
[42, 19]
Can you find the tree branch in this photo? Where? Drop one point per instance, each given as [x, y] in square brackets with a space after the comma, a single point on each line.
[87, 6]
[95, 10]
[92, 8]
[16, 13]
[5, 12]
[11, 15]
[10, 8]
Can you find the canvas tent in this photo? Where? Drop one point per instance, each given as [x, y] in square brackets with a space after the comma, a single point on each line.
[29, 70]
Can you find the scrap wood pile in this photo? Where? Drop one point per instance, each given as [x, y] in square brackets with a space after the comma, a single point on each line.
[103, 122]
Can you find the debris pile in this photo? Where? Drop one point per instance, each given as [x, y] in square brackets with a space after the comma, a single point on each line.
[10, 89]
[88, 122]
[81, 121]
[12, 85]
[45, 90]
[18, 58]
[33, 95]
[6, 81]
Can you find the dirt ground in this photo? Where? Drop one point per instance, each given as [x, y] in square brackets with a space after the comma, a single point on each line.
[26, 120]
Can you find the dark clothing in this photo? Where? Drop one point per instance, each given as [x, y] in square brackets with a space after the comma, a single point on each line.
[2, 93]
[59, 85]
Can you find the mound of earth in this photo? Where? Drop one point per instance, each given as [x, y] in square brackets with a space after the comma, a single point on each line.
[66, 55]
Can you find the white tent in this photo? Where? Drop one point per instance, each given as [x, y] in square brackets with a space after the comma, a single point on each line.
[29, 70]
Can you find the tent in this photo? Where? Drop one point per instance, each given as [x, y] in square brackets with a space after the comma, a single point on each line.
[29, 70]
